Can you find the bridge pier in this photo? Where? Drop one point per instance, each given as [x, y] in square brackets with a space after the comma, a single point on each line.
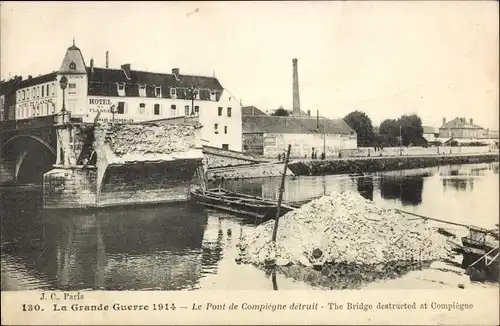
[7, 172]
[115, 165]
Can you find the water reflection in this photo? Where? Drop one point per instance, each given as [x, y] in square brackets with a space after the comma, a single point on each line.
[408, 191]
[459, 184]
[187, 247]
[160, 247]
[365, 187]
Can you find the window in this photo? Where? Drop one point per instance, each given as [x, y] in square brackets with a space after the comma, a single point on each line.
[173, 107]
[142, 108]
[213, 96]
[142, 90]
[157, 109]
[196, 110]
[48, 90]
[225, 146]
[220, 111]
[43, 90]
[186, 110]
[72, 66]
[53, 89]
[216, 126]
[121, 89]
[38, 91]
[173, 92]
[225, 129]
[71, 85]
[158, 91]
[121, 108]
[23, 95]
[229, 112]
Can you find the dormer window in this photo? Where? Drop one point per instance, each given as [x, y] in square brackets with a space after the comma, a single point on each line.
[173, 92]
[213, 96]
[121, 89]
[142, 90]
[72, 65]
[158, 92]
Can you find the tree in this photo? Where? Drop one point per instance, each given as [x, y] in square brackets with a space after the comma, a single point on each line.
[362, 124]
[411, 130]
[281, 112]
[389, 132]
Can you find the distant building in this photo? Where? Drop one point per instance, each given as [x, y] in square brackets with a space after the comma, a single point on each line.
[126, 95]
[431, 134]
[490, 134]
[269, 136]
[460, 128]
[251, 110]
[8, 98]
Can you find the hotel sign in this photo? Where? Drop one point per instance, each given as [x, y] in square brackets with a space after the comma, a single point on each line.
[100, 105]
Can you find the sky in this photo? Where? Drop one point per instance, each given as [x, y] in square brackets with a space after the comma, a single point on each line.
[435, 59]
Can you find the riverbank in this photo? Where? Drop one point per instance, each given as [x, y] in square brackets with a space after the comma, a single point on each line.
[379, 164]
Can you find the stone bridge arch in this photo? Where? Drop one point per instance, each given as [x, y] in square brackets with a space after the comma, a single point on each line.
[25, 158]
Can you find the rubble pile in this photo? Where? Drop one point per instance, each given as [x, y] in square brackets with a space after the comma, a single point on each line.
[149, 138]
[345, 229]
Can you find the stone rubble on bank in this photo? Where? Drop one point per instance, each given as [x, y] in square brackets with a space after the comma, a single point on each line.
[344, 229]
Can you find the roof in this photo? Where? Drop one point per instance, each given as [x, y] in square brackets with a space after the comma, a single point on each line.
[293, 125]
[103, 82]
[430, 130]
[38, 80]
[251, 110]
[73, 57]
[6, 86]
[459, 123]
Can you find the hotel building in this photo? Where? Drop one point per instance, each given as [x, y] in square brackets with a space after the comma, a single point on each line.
[126, 96]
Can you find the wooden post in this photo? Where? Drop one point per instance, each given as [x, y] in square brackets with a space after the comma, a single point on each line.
[280, 197]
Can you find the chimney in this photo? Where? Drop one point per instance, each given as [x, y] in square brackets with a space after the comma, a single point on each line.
[107, 59]
[175, 72]
[444, 121]
[126, 70]
[309, 112]
[91, 65]
[471, 121]
[29, 76]
[296, 94]
[317, 119]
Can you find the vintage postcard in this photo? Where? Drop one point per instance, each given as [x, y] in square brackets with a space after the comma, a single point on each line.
[285, 162]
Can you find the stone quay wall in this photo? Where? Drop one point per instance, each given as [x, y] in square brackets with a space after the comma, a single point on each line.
[249, 171]
[378, 164]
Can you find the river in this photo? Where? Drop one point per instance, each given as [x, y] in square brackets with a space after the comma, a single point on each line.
[187, 247]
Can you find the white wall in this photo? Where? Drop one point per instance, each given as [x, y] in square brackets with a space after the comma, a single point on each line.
[409, 151]
[76, 97]
[302, 144]
[209, 117]
[36, 105]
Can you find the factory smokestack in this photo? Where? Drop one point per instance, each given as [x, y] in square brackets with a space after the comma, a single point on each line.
[296, 94]
[107, 59]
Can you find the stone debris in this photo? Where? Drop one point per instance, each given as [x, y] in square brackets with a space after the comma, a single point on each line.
[149, 138]
[344, 229]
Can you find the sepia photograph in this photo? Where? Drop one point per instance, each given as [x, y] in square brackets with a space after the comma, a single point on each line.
[249, 146]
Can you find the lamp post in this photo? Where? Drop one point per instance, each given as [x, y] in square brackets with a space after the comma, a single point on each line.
[192, 92]
[113, 111]
[63, 82]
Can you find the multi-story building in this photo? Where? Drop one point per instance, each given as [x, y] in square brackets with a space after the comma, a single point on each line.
[7, 99]
[126, 96]
[460, 128]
